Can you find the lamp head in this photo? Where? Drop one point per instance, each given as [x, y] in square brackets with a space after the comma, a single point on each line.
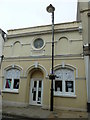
[50, 8]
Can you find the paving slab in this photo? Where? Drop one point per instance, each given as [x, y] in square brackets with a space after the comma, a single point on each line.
[38, 112]
[30, 111]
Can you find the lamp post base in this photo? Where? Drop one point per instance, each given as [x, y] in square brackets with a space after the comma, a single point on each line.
[88, 107]
[51, 106]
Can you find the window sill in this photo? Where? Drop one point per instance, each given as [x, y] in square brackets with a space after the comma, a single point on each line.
[10, 91]
[65, 95]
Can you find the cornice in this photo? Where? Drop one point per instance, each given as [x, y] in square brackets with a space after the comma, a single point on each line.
[43, 32]
[44, 57]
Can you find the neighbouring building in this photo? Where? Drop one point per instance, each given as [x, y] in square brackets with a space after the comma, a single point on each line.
[2, 40]
[27, 64]
[84, 16]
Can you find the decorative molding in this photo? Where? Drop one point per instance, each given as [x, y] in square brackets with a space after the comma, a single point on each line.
[33, 67]
[10, 91]
[23, 44]
[76, 40]
[80, 78]
[37, 52]
[65, 65]
[36, 64]
[32, 45]
[13, 66]
[7, 45]
[42, 32]
[65, 95]
[23, 77]
[76, 56]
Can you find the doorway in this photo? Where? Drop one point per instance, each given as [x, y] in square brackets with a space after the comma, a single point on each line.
[36, 91]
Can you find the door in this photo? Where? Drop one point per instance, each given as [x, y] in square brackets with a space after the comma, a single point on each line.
[36, 92]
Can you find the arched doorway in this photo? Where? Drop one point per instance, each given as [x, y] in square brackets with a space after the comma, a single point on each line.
[36, 87]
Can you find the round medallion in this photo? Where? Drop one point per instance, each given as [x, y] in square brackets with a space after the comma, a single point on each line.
[38, 43]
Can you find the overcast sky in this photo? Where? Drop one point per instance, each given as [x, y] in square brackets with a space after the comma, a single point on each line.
[27, 13]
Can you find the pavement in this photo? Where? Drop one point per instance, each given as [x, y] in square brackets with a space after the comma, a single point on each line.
[38, 112]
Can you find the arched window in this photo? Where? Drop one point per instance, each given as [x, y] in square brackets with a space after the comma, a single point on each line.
[12, 80]
[17, 48]
[64, 84]
[63, 46]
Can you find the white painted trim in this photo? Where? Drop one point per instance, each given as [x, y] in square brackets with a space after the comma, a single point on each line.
[65, 95]
[30, 96]
[63, 37]
[38, 66]
[13, 66]
[16, 42]
[36, 37]
[10, 91]
[67, 66]
[16, 104]
[38, 49]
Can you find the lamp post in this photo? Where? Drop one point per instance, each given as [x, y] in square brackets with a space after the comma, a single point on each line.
[1, 60]
[51, 9]
[2, 57]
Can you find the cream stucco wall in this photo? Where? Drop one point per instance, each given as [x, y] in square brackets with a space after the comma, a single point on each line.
[19, 51]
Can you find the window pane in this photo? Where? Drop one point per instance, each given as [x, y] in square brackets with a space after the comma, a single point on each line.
[39, 97]
[35, 84]
[13, 73]
[40, 84]
[58, 86]
[38, 43]
[34, 96]
[69, 86]
[16, 84]
[8, 83]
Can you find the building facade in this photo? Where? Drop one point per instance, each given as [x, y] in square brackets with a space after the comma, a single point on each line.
[27, 65]
[2, 39]
[84, 17]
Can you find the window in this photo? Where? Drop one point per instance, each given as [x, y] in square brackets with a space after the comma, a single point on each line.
[64, 84]
[38, 43]
[12, 80]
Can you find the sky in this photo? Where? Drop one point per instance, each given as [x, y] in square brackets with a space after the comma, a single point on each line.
[16, 14]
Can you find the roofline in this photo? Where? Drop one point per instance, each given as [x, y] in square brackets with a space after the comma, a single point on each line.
[3, 34]
[42, 26]
[43, 32]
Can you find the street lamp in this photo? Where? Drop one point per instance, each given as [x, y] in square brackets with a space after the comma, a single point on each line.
[51, 9]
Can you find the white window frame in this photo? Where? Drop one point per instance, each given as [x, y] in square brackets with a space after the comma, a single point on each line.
[11, 89]
[64, 93]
